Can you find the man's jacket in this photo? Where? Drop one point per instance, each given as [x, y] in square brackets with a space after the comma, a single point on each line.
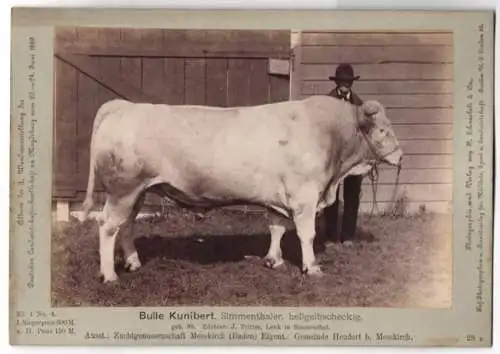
[351, 97]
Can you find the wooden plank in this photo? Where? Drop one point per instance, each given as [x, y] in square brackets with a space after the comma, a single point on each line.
[187, 43]
[259, 84]
[396, 71]
[411, 101]
[427, 162]
[109, 37]
[92, 39]
[363, 87]
[108, 66]
[151, 39]
[238, 82]
[67, 94]
[420, 116]
[153, 77]
[423, 147]
[174, 37]
[153, 68]
[195, 82]
[414, 192]
[130, 37]
[414, 176]
[64, 35]
[87, 105]
[376, 38]
[378, 54]
[62, 190]
[247, 42]
[217, 82]
[174, 80]
[64, 157]
[131, 68]
[278, 67]
[423, 132]
[116, 84]
[280, 88]
[65, 124]
[87, 36]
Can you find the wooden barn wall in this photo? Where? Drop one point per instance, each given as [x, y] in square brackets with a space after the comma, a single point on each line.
[411, 75]
[213, 67]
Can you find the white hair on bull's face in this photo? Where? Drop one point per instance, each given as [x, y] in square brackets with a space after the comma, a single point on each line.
[380, 132]
[371, 107]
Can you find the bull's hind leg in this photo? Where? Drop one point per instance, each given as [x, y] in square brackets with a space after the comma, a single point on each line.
[274, 256]
[115, 214]
[132, 261]
[109, 226]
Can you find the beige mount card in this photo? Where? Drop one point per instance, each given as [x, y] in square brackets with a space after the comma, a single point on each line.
[251, 177]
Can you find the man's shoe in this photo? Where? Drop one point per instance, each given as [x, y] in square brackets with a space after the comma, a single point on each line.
[347, 243]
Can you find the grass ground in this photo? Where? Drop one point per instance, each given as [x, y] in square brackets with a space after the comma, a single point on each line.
[215, 261]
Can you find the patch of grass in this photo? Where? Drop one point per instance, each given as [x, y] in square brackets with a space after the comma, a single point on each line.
[215, 260]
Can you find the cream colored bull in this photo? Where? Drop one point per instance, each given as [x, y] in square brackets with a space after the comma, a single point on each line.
[288, 157]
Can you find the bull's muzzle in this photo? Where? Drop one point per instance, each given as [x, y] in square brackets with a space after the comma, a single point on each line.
[395, 158]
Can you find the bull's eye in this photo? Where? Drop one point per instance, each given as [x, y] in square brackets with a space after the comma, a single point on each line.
[384, 132]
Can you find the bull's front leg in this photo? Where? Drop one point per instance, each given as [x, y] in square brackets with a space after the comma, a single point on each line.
[304, 220]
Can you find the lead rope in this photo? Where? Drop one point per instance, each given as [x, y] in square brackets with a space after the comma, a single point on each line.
[374, 175]
[394, 194]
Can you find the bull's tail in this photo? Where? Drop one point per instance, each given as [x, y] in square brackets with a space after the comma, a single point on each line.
[88, 203]
[89, 199]
[104, 110]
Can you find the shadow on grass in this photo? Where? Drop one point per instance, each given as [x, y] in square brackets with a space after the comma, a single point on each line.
[209, 249]
[216, 249]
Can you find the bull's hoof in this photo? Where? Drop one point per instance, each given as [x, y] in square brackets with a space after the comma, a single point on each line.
[273, 263]
[314, 270]
[133, 263]
[132, 267]
[110, 278]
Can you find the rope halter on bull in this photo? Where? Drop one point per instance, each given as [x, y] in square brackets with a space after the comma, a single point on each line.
[378, 158]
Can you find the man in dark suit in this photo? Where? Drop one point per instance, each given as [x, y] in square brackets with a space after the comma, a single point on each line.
[344, 78]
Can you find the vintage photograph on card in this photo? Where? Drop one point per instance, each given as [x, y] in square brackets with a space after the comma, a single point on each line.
[350, 182]
[178, 179]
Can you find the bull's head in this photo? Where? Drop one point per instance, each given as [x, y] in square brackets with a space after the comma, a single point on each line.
[377, 130]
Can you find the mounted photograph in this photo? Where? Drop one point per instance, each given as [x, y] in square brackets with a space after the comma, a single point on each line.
[241, 167]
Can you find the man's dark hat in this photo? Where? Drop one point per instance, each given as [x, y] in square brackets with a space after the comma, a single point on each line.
[344, 72]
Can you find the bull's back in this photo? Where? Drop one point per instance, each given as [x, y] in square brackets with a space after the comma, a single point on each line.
[208, 150]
